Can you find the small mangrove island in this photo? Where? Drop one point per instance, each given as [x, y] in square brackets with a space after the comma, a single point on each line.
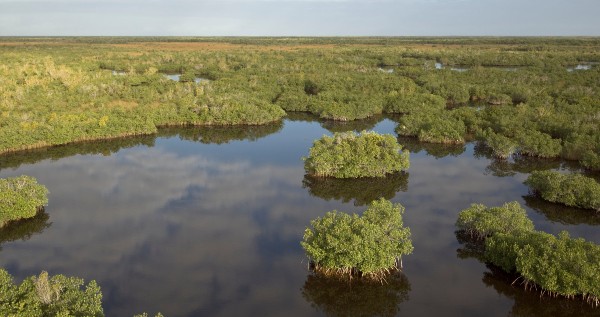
[351, 155]
[574, 190]
[369, 246]
[21, 198]
[556, 266]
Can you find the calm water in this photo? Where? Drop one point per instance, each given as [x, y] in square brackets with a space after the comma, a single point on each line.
[207, 222]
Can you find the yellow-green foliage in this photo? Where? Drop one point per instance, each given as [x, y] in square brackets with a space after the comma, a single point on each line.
[64, 90]
[20, 197]
[573, 190]
[481, 222]
[558, 265]
[49, 296]
[351, 155]
[370, 245]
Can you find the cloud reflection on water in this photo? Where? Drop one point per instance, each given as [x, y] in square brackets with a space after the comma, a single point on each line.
[192, 229]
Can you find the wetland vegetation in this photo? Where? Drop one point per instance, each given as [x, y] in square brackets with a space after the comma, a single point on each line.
[553, 265]
[21, 198]
[370, 246]
[351, 155]
[529, 104]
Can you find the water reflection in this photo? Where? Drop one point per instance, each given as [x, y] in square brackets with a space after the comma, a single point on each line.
[193, 229]
[434, 149]
[342, 297]
[562, 214]
[24, 229]
[469, 247]
[362, 190]
[202, 134]
[518, 163]
[337, 126]
[176, 76]
[222, 134]
[102, 147]
[531, 304]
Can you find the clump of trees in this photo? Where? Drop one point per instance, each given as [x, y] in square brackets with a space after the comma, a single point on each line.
[21, 197]
[557, 266]
[351, 155]
[481, 222]
[370, 245]
[46, 295]
[573, 190]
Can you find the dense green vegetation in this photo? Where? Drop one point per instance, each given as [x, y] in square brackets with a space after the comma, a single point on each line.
[46, 295]
[517, 95]
[481, 222]
[529, 304]
[573, 190]
[20, 198]
[557, 265]
[351, 155]
[370, 245]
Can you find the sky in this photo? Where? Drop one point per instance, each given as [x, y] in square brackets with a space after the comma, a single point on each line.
[299, 17]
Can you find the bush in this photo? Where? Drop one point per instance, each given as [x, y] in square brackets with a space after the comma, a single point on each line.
[559, 266]
[20, 198]
[480, 221]
[351, 155]
[535, 143]
[369, 246]
[502, 147]
[572, 190]
[49, 296]
[433, 127]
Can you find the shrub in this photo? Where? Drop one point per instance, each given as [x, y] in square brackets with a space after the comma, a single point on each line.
[49, 296]
[369, 246]
[502, 147]
[480, 221]
[572, 190]
[535, 143]
[351, 155]
[20, 198]
[561, 266]
[433, 127]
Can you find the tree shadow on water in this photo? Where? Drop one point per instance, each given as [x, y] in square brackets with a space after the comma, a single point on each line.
[340, 296]
[362, 190]
[527, 303]
[222, 134]
[413, 145]
[561, 213]
[24, 229]
[531, 304]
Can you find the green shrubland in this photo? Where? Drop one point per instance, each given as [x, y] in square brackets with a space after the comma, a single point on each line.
[20, 198]
[557, 266]
[370, 245]
[351, 155]
[46, 295]
[518, 90]
[573, 190]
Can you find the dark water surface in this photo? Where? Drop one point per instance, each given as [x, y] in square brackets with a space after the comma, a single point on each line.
[207, 222]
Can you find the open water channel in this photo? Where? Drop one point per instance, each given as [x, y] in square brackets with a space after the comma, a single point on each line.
[208, 222]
